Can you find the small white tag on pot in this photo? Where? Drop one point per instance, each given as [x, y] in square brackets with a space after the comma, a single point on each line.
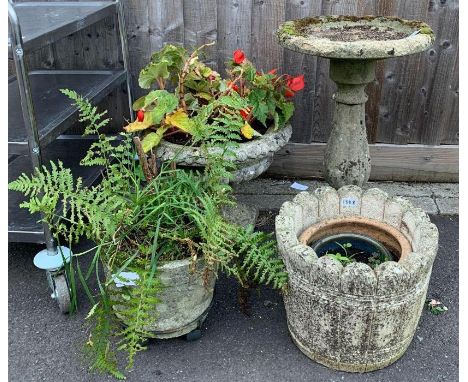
[348, 202]
[125, 279]
[298, 186]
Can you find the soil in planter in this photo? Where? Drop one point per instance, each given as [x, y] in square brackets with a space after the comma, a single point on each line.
[348, 248]
[181, 138]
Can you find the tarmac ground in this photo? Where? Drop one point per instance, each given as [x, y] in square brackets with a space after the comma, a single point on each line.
[45, 345]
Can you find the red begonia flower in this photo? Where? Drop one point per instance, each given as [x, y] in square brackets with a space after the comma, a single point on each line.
[238, 56]
[296, 83]
[288, 93]
[140, 115]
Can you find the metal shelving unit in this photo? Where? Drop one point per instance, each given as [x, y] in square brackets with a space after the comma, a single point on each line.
[38, 113]
[54, 114]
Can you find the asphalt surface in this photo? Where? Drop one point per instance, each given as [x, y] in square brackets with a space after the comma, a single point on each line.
[46, 346]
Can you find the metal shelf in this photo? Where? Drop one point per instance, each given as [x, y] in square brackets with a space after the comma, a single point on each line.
[23, 227]
[43, 23]
[38, 113]
[54, 113]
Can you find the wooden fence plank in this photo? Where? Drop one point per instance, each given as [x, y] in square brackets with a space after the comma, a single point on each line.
[403, 78]
[321, 122]
[138, 25]
[437, 99]
[166, 23]
[266, 53]
[234, 26]
[452, 135]
[374, 89]
[297, 63]
[421, 163]
[200, 27]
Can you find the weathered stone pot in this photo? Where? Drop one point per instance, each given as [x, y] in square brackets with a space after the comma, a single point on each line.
[355, 318]
[185, 300]
[252, 158]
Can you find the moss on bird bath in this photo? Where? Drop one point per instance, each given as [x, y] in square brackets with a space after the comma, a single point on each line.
[356, 37]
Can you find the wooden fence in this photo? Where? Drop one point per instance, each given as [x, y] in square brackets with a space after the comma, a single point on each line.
[412, 113]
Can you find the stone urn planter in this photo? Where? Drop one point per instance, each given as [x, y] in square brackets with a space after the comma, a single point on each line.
[353, 45]
[185, 301]
[355, 318]
[252, 158]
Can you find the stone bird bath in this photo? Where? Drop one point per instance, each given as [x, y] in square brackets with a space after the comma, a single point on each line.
[353, 45]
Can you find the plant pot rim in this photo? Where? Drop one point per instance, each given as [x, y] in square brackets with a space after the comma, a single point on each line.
[380, 231]
[389, 277]
[171, 264]
[267, 144]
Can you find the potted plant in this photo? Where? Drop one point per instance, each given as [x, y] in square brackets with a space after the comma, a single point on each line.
[248, 112]
[158, 235]
[359, 264]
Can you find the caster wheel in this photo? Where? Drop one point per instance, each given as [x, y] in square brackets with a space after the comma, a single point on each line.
[193, 335]
[62, 293]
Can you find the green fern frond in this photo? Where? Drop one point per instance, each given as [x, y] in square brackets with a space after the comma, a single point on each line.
[136, 308]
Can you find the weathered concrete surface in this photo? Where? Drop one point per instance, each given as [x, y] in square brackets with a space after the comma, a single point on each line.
[252, 158]
[44, 345]
[309, 41]
[241, 214]
[347, 159]
[330, 317]
[433, 198]
[184, 300]
[447, 206]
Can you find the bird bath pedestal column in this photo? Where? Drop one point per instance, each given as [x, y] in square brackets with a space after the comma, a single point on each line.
[353, 44]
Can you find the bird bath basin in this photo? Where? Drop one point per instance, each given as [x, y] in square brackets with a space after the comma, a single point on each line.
[353, 45]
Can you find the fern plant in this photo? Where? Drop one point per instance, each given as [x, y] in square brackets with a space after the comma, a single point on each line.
[138, 216]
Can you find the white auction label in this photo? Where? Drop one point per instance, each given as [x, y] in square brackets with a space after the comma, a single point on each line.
[349, 202]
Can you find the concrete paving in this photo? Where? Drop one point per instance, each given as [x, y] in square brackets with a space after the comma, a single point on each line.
[46, 346]
[434, 198]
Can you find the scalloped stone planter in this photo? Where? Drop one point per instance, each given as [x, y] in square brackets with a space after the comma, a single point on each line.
[355, 318]
[252, 158]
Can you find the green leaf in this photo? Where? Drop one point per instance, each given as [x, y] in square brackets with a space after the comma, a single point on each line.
[260, 108]
[204, 95]
[191, 102]
[92, 311]
[250, 72]
[165, 103]
[260, 112]
[173, 54]
[139, 103]
[287, 111]
[152, 71]
[165, 63]
[234, 100]
[152, 139]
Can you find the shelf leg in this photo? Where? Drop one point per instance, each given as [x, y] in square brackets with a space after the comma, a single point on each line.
[50, 258]
[124, 45]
